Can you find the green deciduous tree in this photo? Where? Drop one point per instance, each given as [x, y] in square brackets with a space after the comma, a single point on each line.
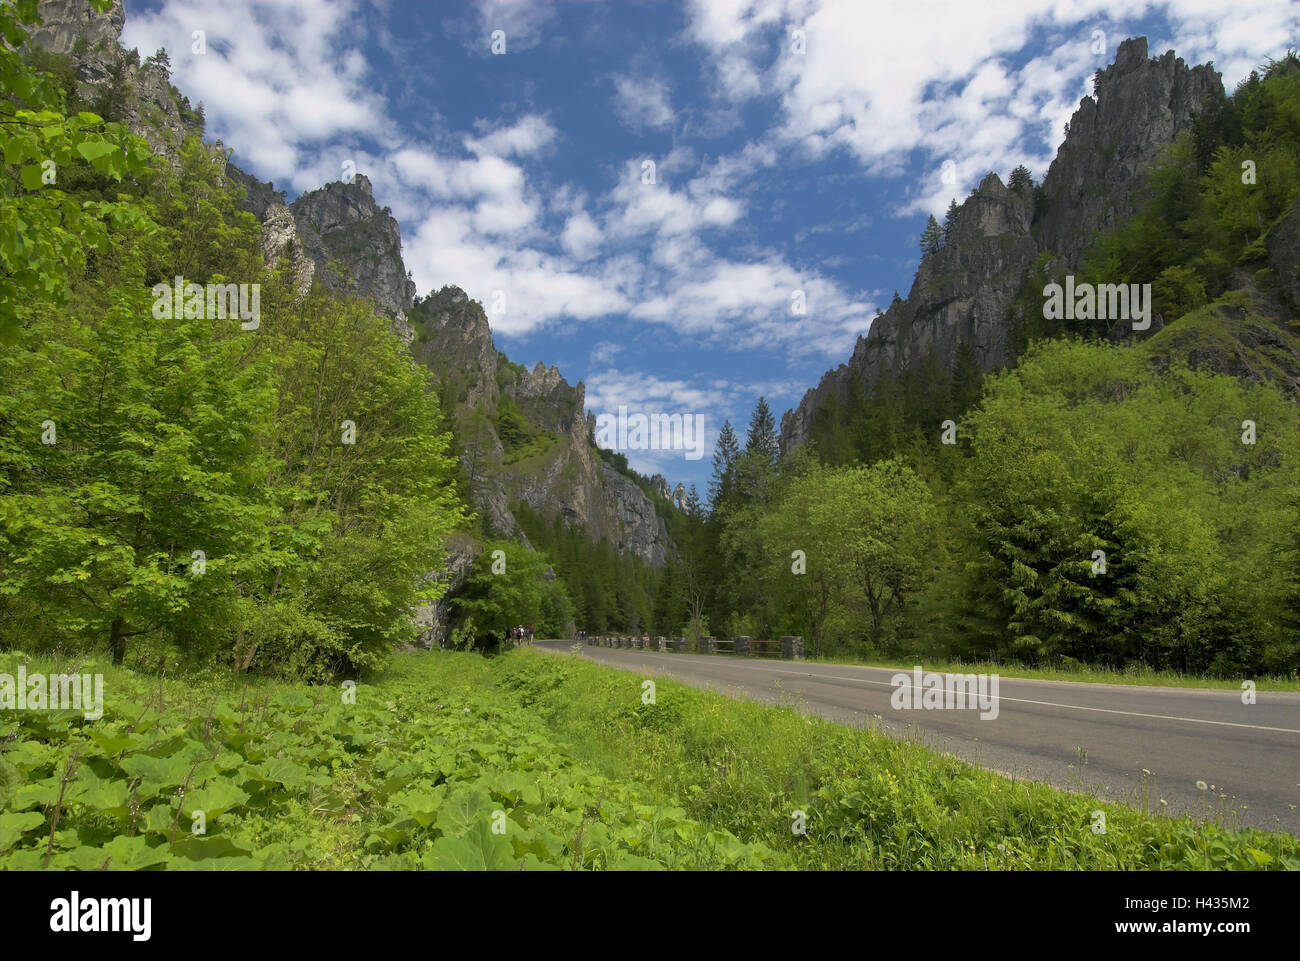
[45, 233]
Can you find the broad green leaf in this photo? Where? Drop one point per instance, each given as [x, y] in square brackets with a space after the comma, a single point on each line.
[133, 853]
[477, 850]
[13, 825]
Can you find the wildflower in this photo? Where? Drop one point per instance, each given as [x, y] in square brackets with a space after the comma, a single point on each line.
[1200, 785]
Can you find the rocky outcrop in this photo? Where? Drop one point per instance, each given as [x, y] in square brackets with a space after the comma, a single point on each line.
[432, 620]
[64, 24]
[1141, 106]
[337, 235]
[280, 243]
[963, 293]
[572, 481]
[124, 89]
[453, 339]
[258, 196]
[640, 532]
[357, 246]
[1283, 246]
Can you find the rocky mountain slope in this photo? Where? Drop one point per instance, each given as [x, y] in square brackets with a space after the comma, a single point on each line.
[525, 434]
[966, 291]
[338, 236]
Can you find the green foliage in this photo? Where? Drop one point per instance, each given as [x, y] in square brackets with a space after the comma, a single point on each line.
[931, 237]
[1085, 448]
[507, 588]
[520, 439]
[850, 544]
[45, 233]
[180, 486]
[430, 769]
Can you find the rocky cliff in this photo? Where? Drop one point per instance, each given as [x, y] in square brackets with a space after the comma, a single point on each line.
[1141, 105]
[551, 463]
[338, 236]
[113, 81]
[356, 245]
[964, 292]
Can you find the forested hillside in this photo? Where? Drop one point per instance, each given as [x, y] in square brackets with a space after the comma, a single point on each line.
[277, 494]
[1113, 497]
[282, 494]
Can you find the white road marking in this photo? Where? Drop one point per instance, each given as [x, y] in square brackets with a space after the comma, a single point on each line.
[1021, 700]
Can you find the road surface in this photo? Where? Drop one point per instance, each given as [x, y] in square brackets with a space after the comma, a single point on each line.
[1248, 752]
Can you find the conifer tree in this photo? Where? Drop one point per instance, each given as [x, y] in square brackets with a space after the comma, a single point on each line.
[950, 220]
[932, 237]
[761, 440]
[724, 462]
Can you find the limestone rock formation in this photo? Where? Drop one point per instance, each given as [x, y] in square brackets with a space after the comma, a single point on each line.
[963, 293]
[1141, 105]
[140, 94]
[356, 245]
[280, 242]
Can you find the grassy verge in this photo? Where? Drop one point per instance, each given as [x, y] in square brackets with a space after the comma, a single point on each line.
[527, 761]
[871, 801]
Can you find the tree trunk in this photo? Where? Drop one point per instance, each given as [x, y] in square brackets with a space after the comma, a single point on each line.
[117, 639]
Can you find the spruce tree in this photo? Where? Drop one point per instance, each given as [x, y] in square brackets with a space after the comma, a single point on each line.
[950, 220]
[761, 439]
[724, 462]
[932, 237]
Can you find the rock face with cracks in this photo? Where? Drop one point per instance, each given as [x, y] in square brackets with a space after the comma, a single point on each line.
[963, 293]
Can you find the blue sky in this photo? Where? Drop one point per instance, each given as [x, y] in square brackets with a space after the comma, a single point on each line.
[797, 145]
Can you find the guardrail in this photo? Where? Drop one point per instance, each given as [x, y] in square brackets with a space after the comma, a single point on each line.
[786, 648]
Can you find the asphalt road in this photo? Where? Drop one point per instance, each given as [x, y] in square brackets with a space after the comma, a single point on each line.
[1248, 752]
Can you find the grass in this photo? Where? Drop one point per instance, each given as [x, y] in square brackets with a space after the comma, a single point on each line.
[565, 757]
[870, 801]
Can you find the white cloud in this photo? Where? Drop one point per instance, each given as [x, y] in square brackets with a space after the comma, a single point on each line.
[522, 21]
[879, 81]
[276, 81]
[604, 353]
[643, 101]
[581, 236]
[524, 138]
